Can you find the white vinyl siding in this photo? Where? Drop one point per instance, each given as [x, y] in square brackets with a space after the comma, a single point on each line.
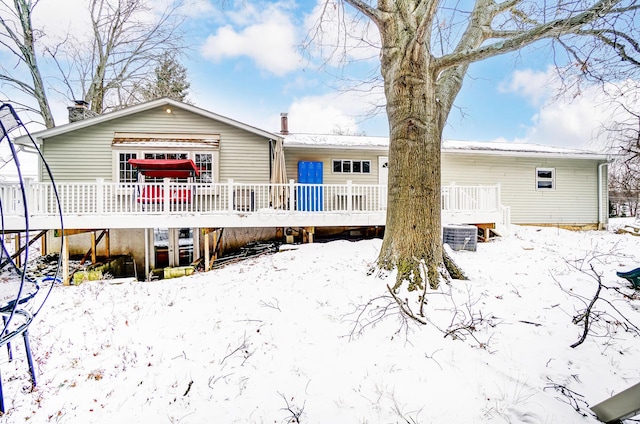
[573, 201]
[87, 153]
[294, 154]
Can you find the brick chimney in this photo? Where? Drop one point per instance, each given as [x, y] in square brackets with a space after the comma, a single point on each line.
[79, 111]
[284, 124]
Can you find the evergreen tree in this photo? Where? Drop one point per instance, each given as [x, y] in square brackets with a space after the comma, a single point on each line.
[169, 80]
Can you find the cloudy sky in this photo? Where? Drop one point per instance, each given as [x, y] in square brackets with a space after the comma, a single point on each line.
[246, 61]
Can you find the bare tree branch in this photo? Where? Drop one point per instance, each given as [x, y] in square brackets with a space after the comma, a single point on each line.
[20, 38]
[520, 39]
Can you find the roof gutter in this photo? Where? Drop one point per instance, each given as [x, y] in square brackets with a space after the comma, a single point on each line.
[521, 153]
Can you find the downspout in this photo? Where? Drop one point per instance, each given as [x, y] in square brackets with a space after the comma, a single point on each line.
[270, 159]
[600, 191]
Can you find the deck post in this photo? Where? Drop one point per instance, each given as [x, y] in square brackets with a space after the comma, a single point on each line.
[292, 195]
[453, 197]
[230, 195]
[93, 247]
[107, 244]
[214, 255]
[146, 254]
[166, 206]
[206, 249]
[65, 260]
[100, 196]
[349, 196]
[29, 186]
[498, 196]
[17, 240]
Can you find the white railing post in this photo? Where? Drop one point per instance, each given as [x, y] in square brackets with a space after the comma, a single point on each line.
[292, 195]
[349, 196]
[453, 197]
[498, 196]
[166, 207]
[100, 196]
[29, 185]
[230, 195]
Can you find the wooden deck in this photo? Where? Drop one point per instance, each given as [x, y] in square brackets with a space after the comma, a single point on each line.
[105, 205]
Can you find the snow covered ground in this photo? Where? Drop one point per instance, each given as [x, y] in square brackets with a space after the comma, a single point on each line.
[287, 338]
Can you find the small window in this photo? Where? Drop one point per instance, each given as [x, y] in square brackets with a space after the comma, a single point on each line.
[165, 156]
[545, 178]
[352, 166]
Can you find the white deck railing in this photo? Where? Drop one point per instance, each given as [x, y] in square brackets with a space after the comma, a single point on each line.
[105, 198]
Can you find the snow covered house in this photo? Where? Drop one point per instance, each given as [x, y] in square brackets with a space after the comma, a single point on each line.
[541, 185]
[168, 183]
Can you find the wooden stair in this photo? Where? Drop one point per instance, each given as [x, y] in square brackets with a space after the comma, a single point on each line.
[487, 232]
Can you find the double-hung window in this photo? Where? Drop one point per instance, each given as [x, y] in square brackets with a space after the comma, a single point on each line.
[204, 163]
[126, 173]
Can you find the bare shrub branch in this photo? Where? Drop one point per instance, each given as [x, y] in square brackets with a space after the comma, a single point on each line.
[373, 312]
[295, 411]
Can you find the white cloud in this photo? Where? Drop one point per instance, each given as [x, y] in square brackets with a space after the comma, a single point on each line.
[535, 86]
[56, 22]
[269, 40]
[193, 8]
[344, 112]
[315, 115]
[571, 120]
[576, 124]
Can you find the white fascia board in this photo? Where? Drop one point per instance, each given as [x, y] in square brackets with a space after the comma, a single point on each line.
[554, 155]
[52, 132]
[334, 147]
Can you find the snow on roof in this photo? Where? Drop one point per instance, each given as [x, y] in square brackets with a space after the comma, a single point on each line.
[510, 147]
[376, 143]
[333, 141]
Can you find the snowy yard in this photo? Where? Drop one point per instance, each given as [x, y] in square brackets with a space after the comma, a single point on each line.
[284, 338]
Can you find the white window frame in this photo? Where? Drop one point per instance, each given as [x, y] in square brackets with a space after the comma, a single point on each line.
[214, 166]
[351, 161]
[191, 154]
[116, 167]
[545, 180]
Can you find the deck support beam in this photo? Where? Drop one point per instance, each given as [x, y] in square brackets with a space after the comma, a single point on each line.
[206, 250]
[65, 260]
[146, 254]
[17, 239]
[93, 248]
[209, 256]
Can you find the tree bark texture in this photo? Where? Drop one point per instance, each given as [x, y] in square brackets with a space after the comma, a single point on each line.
[412, 235]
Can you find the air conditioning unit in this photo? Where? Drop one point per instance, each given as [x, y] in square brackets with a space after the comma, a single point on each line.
[460, 237]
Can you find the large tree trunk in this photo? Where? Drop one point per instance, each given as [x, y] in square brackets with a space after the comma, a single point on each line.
[412, 241]
[420, 89]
